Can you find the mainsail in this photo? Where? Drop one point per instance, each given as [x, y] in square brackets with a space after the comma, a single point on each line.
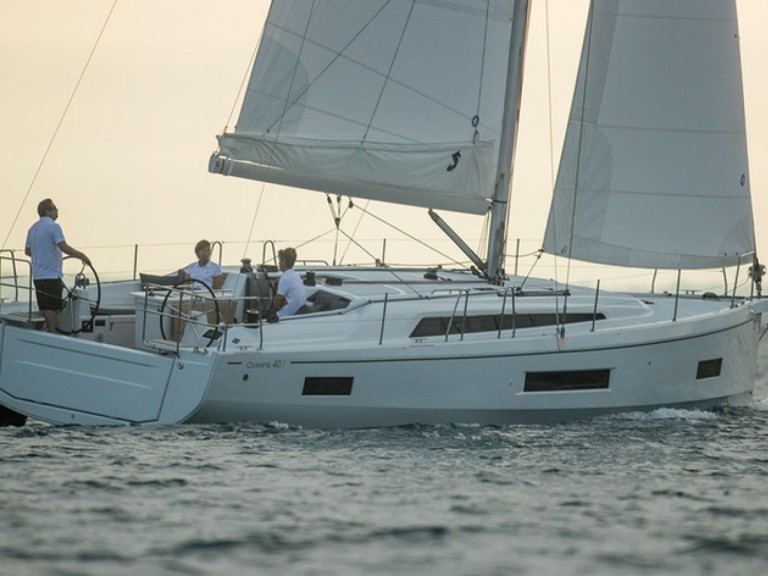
[654, 170]
[394, 100]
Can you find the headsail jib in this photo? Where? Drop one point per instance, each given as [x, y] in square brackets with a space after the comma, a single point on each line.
[654, 166]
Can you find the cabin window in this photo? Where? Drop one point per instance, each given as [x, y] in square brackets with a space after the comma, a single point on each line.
[327, 386]
[438, 325]
[709, 368]
[567, 380]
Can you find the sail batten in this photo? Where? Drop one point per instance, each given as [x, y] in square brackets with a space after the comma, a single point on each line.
[654, 170]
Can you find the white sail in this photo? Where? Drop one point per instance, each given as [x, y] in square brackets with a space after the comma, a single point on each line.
[395, 100]
[654, 170]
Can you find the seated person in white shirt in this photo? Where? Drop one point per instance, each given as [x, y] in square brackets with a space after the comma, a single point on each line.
[290, 289]
[205, 270]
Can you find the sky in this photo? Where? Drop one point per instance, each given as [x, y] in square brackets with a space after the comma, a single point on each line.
[125, 159]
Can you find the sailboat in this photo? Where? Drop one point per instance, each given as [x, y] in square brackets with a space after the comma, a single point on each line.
[416, 102]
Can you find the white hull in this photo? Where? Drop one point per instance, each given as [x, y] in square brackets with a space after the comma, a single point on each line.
[483, 388]
[349, 369]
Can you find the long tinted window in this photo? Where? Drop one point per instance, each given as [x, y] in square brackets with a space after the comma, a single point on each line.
[438, 325]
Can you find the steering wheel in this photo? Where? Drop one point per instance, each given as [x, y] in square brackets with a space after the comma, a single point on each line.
[181, 287]
[83, 276]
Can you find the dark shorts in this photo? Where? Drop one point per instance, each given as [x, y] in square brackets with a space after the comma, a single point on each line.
[49, 292]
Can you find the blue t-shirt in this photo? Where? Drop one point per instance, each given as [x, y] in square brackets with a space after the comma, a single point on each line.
[43, 241]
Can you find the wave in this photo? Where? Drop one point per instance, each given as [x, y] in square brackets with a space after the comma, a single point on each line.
[665, 414]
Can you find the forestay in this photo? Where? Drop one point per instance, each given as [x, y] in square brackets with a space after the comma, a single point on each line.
[395, 100]
[654, 171]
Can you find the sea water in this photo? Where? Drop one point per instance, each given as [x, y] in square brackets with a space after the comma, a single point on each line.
[670, 492]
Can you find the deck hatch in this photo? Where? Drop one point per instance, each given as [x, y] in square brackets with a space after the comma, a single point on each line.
[327, 386]
[438, 325]
[567, 380]
[709, 368]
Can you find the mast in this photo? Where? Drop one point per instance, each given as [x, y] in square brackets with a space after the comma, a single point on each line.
[500, 204]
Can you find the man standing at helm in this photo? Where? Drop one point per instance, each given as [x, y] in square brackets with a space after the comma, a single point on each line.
[45, 244]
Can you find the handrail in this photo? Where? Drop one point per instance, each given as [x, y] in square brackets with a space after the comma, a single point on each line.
[264, 252]
[383, 317]
[450, 291]
[594, 310]
[193, 295]
[677, 295]
[735, 285]
[462, 292]
[503, 309]
[220, 245]
[725, 281]
[513, 291]
[135, 261]
[305, 262]
[514, 313]
[15, 276]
